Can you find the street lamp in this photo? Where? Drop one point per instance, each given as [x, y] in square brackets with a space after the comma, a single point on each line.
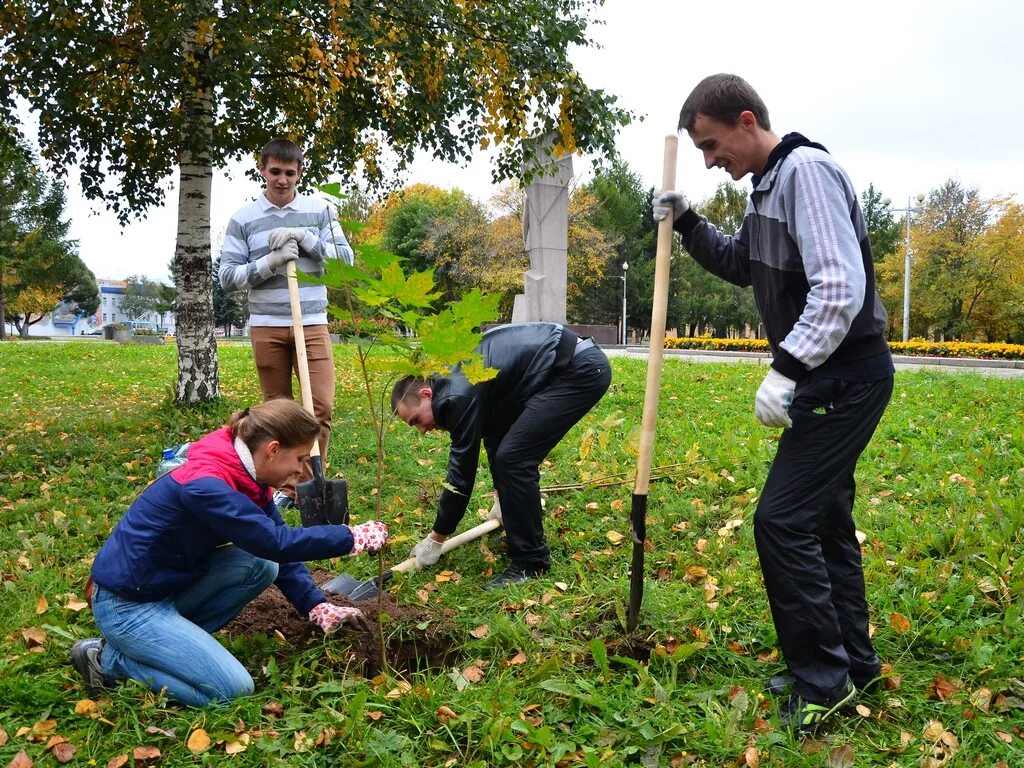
[625, 266]
[910, 209]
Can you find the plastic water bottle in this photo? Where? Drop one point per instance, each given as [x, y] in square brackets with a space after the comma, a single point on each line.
[172, 458]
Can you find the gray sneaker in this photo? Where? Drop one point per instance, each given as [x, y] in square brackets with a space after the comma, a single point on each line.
[85, 657]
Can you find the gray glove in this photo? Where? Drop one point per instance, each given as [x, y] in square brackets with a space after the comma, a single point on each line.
[427, 552]
[667, 201]
[774, 397]
[289, 251]
[282, 235]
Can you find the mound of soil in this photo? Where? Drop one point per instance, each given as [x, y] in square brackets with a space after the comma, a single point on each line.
[410, 649]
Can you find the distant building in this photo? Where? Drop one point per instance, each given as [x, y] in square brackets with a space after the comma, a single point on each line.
[63, 322]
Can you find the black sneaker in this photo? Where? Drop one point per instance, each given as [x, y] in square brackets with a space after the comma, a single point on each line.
[782, 685]
[779, 685]
[85, 657]
[514, 574]
[802, 716]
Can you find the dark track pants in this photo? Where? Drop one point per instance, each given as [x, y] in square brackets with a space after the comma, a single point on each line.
[806, 539]
[516, 449]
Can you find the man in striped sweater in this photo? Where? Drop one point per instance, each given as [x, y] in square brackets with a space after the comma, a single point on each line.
[803, 246]
[261, 238]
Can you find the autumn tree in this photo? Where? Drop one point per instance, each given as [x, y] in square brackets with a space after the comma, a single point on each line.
[885, 233]
[142, 297]
[623, 214]
[39, 265]
[499, 267]
[947, 264]
[135, 93]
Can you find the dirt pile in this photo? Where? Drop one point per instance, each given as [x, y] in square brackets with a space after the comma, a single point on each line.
[409, 649]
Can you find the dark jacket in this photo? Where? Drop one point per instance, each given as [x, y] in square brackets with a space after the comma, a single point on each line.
[163, 543]
[803, 245]
[527, 356]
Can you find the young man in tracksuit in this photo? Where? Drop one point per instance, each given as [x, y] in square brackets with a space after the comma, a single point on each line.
[548, 379]
[803, 246]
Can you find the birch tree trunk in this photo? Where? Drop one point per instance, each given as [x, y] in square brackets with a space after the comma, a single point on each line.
[198, 379]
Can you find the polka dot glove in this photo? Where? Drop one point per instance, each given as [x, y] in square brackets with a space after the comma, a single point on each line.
[368, 537]
[329, 617]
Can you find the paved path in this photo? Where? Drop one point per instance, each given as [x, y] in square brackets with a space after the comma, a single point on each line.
[1004, 369]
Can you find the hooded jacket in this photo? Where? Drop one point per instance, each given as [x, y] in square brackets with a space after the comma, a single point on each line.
[163, 543]
[803, 245]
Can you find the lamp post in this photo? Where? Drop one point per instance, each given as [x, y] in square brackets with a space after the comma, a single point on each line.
[625, 266]
[910, 209]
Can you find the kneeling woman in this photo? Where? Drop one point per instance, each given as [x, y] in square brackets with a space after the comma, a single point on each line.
[197, 546]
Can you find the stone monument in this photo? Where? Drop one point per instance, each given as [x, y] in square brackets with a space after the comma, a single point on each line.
[546, 236]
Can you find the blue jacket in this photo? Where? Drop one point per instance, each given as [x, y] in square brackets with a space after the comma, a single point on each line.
[163, 543]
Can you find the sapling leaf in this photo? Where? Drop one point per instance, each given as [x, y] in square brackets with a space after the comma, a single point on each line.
[332, 188]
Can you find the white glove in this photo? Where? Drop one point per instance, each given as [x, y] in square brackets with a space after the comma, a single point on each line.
[774, 397]
[278, 257]
[282, 235]
[495, 513]
[668, 200]
[329, 617]
[427, 552]
[368, 537]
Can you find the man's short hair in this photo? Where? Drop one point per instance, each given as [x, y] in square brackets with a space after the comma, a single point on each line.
[723, 97]
[282, 150]
[407, 390]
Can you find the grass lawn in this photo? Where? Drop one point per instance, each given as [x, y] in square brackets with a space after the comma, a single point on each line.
[542, 674]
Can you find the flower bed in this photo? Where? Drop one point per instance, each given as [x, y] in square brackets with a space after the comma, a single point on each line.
[915, 347]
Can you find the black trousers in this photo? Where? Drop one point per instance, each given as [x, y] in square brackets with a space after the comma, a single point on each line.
[806, 538]
[517, 446]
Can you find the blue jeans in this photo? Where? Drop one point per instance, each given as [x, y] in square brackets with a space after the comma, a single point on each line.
[167, 644]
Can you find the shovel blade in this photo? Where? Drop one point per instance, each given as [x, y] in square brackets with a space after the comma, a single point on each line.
[638, 525]
[354, 589]
[342, 584]
[322, 503]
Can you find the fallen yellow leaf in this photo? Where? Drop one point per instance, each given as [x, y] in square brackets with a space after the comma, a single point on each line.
[480, 632]
[933, 730]
[42, 604]
[198, 741]
[899, 623]
[76, 605]
[85, 707]
[615, 537]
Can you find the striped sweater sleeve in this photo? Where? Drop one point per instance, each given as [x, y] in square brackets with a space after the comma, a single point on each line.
[818, 204]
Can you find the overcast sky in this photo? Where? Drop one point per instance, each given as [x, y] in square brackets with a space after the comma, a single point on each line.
[903, 94]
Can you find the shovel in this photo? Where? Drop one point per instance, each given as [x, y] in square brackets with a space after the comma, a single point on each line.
[638, 511]
[320, 501]
[356, 590]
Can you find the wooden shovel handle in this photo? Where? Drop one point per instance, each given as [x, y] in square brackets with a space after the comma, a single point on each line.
[451, 543]
[659, 310]
[299, 332]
